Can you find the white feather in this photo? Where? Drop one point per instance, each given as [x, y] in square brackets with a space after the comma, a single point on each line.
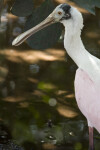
[75, 48]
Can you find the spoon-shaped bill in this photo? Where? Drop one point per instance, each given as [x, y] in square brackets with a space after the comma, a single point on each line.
[22, 37]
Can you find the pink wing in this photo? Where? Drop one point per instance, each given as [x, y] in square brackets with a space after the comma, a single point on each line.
[88, 98]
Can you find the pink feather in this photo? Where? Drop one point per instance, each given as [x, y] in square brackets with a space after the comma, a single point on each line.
[88, 98]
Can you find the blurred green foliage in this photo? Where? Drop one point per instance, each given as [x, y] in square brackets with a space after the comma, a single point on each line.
[21, 5]
[22, 8]
[1, 6]
[88, 4]
[48, 36]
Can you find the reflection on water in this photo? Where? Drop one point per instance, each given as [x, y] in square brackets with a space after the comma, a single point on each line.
[37, 104]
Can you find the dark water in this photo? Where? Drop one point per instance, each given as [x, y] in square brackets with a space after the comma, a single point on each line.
[38, 110]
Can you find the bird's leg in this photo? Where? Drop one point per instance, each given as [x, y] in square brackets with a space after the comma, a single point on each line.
[91, 143]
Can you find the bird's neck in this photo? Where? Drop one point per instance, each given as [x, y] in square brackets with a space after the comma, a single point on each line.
[84, 60]
[75, 48]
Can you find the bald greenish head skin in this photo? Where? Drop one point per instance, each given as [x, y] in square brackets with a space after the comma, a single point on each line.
[69, 16]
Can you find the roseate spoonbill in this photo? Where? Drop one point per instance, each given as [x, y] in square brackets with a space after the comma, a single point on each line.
[87, 79]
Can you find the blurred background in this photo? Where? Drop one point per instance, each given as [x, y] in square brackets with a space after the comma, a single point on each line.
[38, 110]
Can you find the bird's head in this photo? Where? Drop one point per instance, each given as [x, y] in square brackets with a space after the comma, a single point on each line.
[69, 16]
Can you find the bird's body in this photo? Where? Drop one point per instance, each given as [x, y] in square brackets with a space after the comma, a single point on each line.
[87, 94]
[87, 79]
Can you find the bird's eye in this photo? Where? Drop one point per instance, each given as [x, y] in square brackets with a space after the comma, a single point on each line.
[59, 13]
